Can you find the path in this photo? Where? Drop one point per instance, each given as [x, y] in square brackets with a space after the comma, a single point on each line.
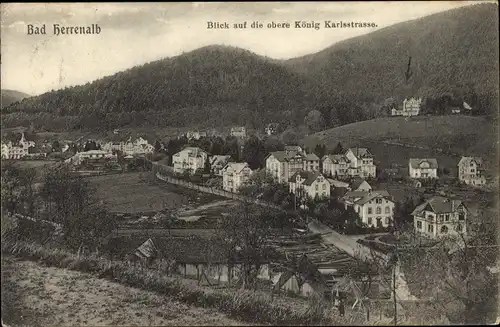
[347, 244]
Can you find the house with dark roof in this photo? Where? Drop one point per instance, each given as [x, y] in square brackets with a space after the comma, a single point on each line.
[360, 162]
[311, 162]
[375, 208]
[359, 184]
[190, 159]
[283, 164]
[441, 216]
[422, 168]
[217, 163]
[470, 171]
[335, 165]
[235, 175]
[310, 184]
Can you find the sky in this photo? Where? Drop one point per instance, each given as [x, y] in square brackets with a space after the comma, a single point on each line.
[137, 33]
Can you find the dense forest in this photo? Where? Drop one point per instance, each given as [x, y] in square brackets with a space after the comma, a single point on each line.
[454, 59]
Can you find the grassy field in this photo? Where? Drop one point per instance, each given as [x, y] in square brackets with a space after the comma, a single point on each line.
[136, 193]
[34, 295]
[453, 135]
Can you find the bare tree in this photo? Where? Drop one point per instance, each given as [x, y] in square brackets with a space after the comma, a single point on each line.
[245, 233]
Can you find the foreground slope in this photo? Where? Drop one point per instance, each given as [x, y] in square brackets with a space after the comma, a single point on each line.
[456, 49]
[34, 295]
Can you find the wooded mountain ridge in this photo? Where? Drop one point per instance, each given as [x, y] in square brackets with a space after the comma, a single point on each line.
[454, 54]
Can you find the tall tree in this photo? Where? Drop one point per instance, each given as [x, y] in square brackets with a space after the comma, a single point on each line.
[245, 234]
[253, 153]
[339, 149]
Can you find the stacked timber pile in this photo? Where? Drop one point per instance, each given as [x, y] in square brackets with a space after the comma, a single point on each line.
[330, 261]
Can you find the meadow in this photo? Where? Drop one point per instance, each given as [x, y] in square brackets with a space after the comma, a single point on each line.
[445, 138]
[137, 193]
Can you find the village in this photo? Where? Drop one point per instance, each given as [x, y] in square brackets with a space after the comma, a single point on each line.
[343, 194]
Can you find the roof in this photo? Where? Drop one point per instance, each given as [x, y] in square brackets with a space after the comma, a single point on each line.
[312, 157]
[237, 166]
[309, 176]
[337, 183]
[281, 156]
[95, 152]
[335, 158]
[415, 163]
[293, 148]
[356, 182]
[217, 159]
[463, 160]
[361, 152]
[361, 197]
[194, 150]
[192, 249]
[438, 204]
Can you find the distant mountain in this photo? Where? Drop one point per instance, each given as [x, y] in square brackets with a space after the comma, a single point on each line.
[455, 51]
[454, 55]
[11, 96]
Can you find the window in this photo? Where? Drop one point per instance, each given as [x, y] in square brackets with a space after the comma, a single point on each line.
[370, 211]
[430, 228]
[324, 194]
[324, 187]
[461, 216]
[369, 220]
[387, 209]
[387, 220]
[379, 201]
[459, 228]
[447, 217]
[379, 210]
[473, 170]
[316, 187]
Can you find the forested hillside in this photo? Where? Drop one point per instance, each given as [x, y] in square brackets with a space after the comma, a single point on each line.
[214, 85]
[454, 59]
[452, 53]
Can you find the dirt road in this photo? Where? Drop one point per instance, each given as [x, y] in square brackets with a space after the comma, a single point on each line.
[34, 295]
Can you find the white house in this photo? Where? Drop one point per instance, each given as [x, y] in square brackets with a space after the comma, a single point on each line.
[308, 183]
[375, 208]
[440, 216]
[470, 171]
[234, 175]
[411, 107]
[239, 131]
[189, 159]
[335, 165]
[195, 135]
[422, 168]
[129, 147]
[360, 162]
[217, 163]
[16, 151]
[311, 162]
[283, 164]
[91, 155]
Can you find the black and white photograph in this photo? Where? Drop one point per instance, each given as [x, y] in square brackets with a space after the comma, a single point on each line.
[250, 163]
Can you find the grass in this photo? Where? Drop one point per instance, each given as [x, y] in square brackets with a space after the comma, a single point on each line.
[135, 193]
[36, 295]
[454, 135]
[243, 305]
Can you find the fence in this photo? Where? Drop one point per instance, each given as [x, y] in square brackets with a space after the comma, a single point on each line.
[161, 172]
